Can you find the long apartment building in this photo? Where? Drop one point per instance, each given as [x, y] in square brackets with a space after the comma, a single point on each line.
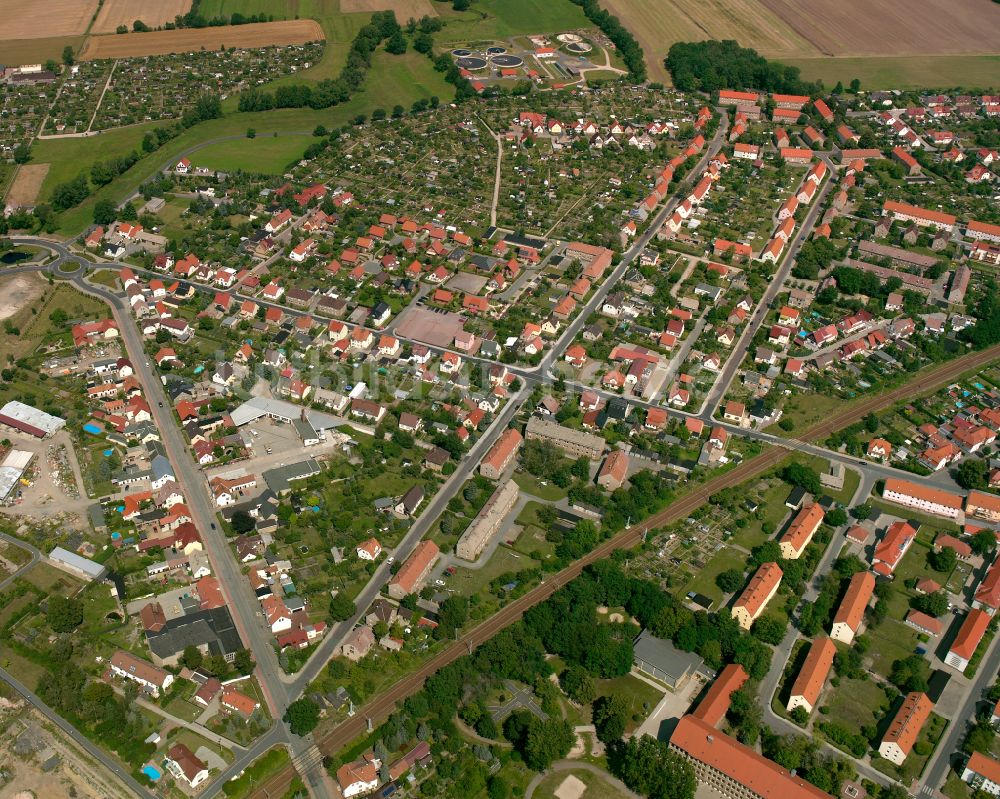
[851, 611]
[759, 591]
[575, 443]
[905, 727]
[923, 498]
[488, 522]
[816, 668]
[733, 770]
[801, 531]
[151, 679]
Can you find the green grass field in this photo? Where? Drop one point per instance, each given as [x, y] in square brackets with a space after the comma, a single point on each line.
[904, 72]
[267, 154]
[501, 19]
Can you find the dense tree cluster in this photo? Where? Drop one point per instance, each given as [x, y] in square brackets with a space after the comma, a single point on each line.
[648, 767]
[712, 65]
[986, 331]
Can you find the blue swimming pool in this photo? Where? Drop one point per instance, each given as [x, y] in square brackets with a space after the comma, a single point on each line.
[152, 772]
[115, 536]
[980, 386]
[92, 428]
[108, 453]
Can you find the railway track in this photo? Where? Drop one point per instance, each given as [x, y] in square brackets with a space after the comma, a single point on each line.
[382, 705]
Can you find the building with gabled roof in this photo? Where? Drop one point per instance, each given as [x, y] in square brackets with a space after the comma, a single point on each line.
[758, 592]
[890, 550]
[801, 531]
[967, 640]
[815, 669]
[905, 727]
[851, 611]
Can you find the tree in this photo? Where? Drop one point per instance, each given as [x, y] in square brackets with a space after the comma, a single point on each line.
[22, 154]
[396, 44]
[67, 56]
[836, 517]
[64, 615]
[800, 716]
[943, 560]
[58, 317]
[769, 629]
[243, 662]
[341, 608]
[251, 133]
[546, 742]
[983, 542]
[578, 684]
[862, 511]
[803, 476]
[729, 581]
[648, 767]
[935, 604]
[971, 473]
[192, 657]
[610, 716]
[243, 522]
[909, 673]
[105, 212]
[302, 716]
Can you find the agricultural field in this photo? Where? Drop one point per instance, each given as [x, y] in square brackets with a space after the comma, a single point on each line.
[657, 24]
[260, 34]
[62, 18]
[404, 9]
[124, 12]
[875, 27]
[903, 72]
[27, 184]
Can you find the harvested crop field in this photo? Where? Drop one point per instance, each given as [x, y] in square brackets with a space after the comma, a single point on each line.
[27, 184]
[657, 24]
[887, 28]
[404, 9]
[186, 40]
[125, 12]
[59, 18]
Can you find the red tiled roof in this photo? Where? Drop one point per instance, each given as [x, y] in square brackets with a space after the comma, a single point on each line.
[702, 742]
[970, 633]
[852, 606]
[909, 720]
[715, 703]
[814, 670]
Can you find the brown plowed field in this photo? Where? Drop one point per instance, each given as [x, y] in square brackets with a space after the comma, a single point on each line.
[404, 9]
[23, 20]
[27, 184]
[260, 34]
[379, 707]
[887, 27]
[124, 12]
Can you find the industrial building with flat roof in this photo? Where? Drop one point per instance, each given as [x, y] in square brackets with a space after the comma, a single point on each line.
[26, 419]
[11, 471]
[77, 564]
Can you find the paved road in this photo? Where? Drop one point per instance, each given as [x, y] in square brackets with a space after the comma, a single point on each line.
[732, 365]
[35, 557]
[94, 751]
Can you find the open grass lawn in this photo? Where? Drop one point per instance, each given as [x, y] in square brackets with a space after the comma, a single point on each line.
[400, 79]
[954, 788]
[182, 709]
[642, 696]
[27, 671]
[106, 277]
[467, 582]
[935, 522]
[597, 787]
[853, 703]
[851, 478]
[501, 19]
[266, 154]
[958, 577]
[38, 51]
[530, 484]
[50, 579]
[704, 579]
[805, 410]
[891, 640]
[902, 72]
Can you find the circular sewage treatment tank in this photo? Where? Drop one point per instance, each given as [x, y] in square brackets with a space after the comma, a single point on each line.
[579, 47]
[567, 38]
[460, 53]
[496, 50]
[507, 61]
[471, 63]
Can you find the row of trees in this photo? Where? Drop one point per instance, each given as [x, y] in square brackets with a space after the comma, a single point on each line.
[627, 44]
[383, 26]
